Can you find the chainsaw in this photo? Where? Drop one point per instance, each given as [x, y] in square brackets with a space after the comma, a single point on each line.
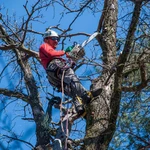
[78, 51]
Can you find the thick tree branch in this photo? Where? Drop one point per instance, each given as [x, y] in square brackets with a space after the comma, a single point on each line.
[115, 99]
[42, 126]
[136, 88]
[107, 26]
[144, 80]
[10, 45]
[130, 36]
[21, 48]
[15, 94]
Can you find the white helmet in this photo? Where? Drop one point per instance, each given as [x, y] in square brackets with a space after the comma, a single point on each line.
[50, 33]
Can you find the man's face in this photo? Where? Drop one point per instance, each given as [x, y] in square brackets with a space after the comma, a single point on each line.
[52, 41]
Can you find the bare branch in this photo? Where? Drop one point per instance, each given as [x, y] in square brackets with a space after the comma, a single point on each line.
[16, 94]
[8, 47]
[136, 88]
[17, 139]
[130, 37]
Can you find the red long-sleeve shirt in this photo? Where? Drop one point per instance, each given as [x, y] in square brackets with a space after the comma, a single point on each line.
[48, 53]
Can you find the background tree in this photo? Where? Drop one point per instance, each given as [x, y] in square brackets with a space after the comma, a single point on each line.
[118, 62]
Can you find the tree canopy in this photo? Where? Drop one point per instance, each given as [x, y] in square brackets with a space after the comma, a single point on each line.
[117, 61]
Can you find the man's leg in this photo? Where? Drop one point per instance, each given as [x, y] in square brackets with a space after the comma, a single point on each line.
[75, 90]
[72, 80]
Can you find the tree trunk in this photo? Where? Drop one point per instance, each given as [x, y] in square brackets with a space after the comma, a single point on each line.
[99, 131]
[101, 127]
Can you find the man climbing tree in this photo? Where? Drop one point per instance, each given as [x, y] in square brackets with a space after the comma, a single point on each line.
[58, 72]
[55, 66]
[117, 62]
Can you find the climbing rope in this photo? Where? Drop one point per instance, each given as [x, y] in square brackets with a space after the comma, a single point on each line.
[62, 88]
[67, 132]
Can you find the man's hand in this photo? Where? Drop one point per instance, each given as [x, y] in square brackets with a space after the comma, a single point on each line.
[69, 49]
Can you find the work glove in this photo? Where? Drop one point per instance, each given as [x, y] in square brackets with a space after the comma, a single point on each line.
[69, 49]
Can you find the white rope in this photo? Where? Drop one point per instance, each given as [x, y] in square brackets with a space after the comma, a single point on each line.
[59, 141]
[67, 132]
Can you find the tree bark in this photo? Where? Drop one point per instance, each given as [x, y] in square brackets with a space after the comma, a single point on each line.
[98, 134]
[101, 127]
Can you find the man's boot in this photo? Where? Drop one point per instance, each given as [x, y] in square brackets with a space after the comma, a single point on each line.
[88, 95]
[79, 106]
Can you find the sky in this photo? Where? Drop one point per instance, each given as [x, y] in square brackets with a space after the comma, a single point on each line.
[87, 23]
[24, 128]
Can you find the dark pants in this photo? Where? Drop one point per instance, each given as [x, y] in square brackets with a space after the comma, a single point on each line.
[72, 86]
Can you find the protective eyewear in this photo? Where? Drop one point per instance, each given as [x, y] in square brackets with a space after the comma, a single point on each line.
[55, 39]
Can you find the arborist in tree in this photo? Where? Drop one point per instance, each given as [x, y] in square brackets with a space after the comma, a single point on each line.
[55, 67]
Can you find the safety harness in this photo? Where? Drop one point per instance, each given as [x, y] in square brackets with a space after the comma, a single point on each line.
[56, 67]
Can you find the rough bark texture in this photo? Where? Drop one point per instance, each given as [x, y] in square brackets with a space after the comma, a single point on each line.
[101, 127]
[42, 125]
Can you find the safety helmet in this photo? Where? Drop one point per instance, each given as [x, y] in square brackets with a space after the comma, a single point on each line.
[50, 33]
